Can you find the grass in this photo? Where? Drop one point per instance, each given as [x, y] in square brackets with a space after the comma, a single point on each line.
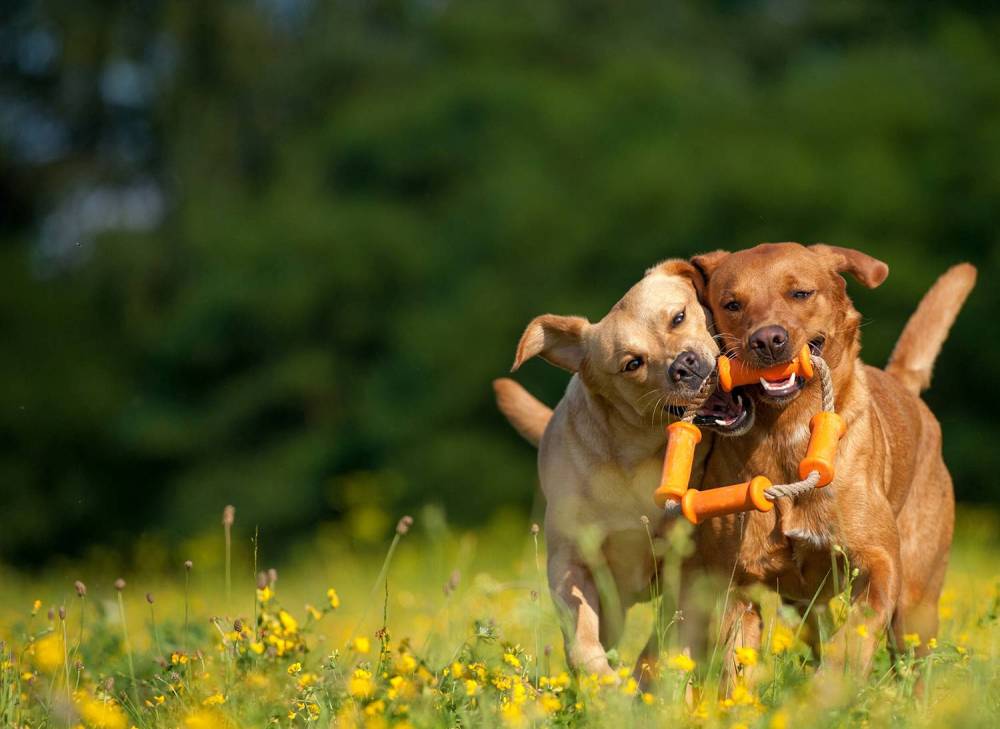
[443, 629]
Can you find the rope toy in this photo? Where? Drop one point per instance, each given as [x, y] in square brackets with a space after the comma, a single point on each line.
[815, 470]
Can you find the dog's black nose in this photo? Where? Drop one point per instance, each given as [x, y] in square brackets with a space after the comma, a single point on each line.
[770, 343]
[688, 369]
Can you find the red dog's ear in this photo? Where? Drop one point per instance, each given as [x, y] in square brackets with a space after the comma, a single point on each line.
[869, 271]
[706, 263]
[677, 267]
[557, 339]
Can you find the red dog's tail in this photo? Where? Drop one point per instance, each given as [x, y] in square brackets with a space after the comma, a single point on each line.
[912, 361]
[528, 416]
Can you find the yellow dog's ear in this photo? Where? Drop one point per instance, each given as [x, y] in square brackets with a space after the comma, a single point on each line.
[869, 271]
[556, 339]
[678, 267]
[706, 263]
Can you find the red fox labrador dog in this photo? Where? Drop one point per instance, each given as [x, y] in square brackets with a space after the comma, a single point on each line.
[889, 511]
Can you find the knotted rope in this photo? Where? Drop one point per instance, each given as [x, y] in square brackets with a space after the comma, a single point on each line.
[781, 490]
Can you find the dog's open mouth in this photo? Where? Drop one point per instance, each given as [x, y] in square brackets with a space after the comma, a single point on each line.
[724, 411]
[782, 391]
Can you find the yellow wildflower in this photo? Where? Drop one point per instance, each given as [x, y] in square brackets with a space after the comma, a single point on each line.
[214, 700]
[35, 607]
[289, 623]
[333, 598]
[362, 644]
[471, 687]
[648, 699]
[49, 653]
[407, 663]
[313, 612]
[746, 656]
[204, 719]
[630, 687]
[457, 670]
[511, 660]
[932, 644]
[550, 704]
[100, 714]
[306, 680]
[781, 639]
[257, 647]
[912, 640]
[512, 715]
[779, 720]
[264, 594]
[862, 630]
[178, 658]
[375, 707]
[360, 684]
[681, 662]
[294, 669]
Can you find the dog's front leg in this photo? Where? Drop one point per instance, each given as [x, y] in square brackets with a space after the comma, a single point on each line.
[575, 591]
[875, 596]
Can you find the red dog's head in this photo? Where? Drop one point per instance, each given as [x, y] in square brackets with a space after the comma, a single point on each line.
[770, 300]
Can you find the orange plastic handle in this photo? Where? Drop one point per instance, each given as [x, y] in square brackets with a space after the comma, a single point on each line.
[681, 439]
[733, 372]
[827, 430]
[700, 505]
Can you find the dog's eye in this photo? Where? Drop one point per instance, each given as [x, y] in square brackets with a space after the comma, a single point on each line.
[802, 294]
[677, 319]
[633, 364]
[732, 306]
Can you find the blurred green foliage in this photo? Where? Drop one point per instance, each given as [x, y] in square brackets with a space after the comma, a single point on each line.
[352, 209]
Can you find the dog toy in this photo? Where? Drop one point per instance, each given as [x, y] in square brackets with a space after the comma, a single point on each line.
[733, 373]
[815, 470]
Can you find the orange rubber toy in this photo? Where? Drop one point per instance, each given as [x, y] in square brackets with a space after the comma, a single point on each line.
[827, 430]
[698, 505]
[681, 440]
[733, 372]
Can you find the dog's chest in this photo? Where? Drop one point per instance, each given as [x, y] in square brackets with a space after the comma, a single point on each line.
[622, 496]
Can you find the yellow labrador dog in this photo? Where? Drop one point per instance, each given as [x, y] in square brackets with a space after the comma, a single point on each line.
[601, 450]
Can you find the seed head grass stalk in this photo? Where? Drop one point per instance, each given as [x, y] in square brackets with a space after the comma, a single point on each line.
[402, 528]
[119, 587]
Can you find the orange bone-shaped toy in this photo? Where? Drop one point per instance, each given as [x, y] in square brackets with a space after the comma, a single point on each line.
[733, 372]
[827, 430]
[681, 440]
[699, 505]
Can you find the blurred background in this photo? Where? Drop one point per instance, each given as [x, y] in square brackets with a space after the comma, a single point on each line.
[272, 253]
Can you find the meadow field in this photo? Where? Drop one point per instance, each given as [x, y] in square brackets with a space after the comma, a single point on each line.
[439, 628]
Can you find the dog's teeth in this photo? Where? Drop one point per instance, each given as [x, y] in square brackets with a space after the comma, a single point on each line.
[791, 380]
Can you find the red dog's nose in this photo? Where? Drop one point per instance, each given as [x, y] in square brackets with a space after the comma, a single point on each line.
[770, 342]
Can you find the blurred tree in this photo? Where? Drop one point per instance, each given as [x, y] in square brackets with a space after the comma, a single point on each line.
[272, 253]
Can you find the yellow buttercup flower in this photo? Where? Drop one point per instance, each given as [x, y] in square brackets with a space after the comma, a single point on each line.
[471, 687]
[746, 656]
[204, 719]
[333, 598]
[35, 607]
[362, 644]
[912, 640]
[294, 669]
[511, 660]
[214, 700]
[550, 704]
[48, 653]
[862, 630]
[102, 714]
[681, 662]
[289, 623]
[781, 639]
[360, 685]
